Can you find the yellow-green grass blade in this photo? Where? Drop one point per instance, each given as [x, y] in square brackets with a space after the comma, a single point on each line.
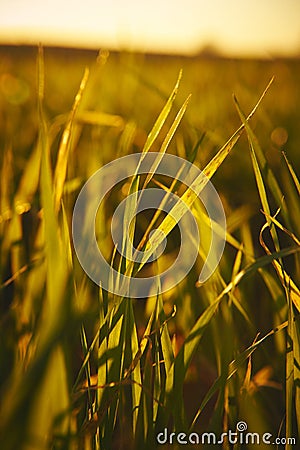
[158, 377]
[151, 138]
[295, 292]
[182, 361]
[293, 173]
[110, 367]
[25, 410]
[167, 141]
[11, 232]
[289, 377]
[6, 184]
[162, 117]
[292, 346]
[62, 158]
[29, 181]
[166, 344]
[187, 350]
[128, 345]
[129, 266]
[143, 413]
[102, 349]
[57, 273]
[281, 227]
[129, 225]
[163, 355]
[159, 209]
[259, 161]
[99, 118]
[85, 362]
[217, 160]
[130, 355]
[207, 225]
[86, 352]
[237, 262]
[66, 239]
[145, 418]
[258, 264]
[255, 149]
[143, 342]
[192, 192]
[152, 327]
[51, 401]
[281, 273]
[232, 369]
[292, 189]
[111, 359]
[148, 144]
[160, 121]
[235, 271]
[154, 376]
[292, 363]
[157, 128]
[136, 391]
[269, 279]
[296, 334]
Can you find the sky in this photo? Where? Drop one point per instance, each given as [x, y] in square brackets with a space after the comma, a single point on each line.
[236, 27]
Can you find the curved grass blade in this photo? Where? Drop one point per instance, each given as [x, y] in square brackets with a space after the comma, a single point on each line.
[193, 191]
[232, 368]
[184, 357]
[259, 160]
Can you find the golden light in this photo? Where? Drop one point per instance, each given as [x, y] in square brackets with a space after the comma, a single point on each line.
[234, 27]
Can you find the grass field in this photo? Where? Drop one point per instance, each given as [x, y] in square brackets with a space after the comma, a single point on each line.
[81, 368]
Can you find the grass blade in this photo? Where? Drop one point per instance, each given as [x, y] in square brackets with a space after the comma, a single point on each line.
[232, 368]
[192, 192]
[63, 152]
[162, 117]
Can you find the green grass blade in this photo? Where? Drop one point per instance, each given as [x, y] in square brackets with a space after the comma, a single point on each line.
[217, 160]
[293, 174]
[129, 225]
[192, 192]
[30, 179]
[187, 350]
[97, 117]
[167, 141]
[136, 390]
[296, 333]
[28, 406]
[232, 368]
[162, 117]
[268, 174]
[289, 384]
[62, 158]
[56, 278]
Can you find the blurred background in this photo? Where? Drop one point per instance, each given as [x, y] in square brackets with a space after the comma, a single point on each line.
[233, 27]
[134, 51]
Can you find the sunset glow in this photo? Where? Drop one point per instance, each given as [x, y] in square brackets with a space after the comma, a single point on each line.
[237, 27]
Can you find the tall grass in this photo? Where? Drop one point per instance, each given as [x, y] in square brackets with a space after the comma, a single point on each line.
[82, 368]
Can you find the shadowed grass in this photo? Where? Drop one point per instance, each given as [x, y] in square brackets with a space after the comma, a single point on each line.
[85, 369]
